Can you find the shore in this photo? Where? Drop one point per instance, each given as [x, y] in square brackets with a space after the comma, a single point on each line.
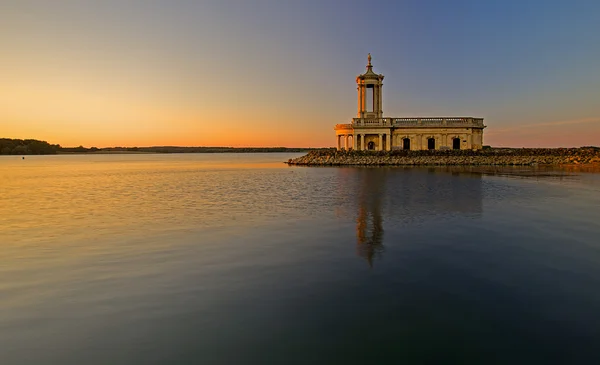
[486, 157]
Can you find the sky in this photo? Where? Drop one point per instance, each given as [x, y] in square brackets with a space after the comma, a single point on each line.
[282, 73]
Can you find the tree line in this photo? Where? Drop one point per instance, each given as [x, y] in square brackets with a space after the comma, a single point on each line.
[27, 147]
[34, 147]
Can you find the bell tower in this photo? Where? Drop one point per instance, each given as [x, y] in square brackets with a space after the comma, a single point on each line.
[369, 87]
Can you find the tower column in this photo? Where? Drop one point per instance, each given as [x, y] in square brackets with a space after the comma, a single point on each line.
[380, 147]
[338, 142]
[359, 92]
[389, 141]
[376, 106]
[375, 100]
[363, 99]
[346, 142]
[362, 142]
[380, 86]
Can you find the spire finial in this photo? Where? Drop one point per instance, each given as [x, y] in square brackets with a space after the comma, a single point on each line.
[369, 58]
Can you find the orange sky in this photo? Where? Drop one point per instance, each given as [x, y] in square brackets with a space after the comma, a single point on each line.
[113, 74]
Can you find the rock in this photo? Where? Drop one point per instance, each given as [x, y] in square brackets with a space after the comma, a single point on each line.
[492, 156]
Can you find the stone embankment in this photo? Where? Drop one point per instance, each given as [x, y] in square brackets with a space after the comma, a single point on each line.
[486, 157]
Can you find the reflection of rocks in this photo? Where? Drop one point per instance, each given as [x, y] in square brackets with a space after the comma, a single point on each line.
[491, 156]
[425, 193]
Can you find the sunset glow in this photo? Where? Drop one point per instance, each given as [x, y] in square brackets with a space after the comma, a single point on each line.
[268, 73]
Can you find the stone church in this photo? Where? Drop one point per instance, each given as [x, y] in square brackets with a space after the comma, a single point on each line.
[370, 130]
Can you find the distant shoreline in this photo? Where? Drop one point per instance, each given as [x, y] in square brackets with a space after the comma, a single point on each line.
[35, 147]
[173, 149]
[487, 157]
[169, 153]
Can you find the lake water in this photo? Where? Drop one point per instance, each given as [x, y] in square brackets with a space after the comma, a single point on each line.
[240, 259]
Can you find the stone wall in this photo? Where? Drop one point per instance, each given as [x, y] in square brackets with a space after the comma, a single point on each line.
[470, 138]
[490, 156]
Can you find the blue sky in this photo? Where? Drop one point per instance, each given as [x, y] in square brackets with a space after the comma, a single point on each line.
[221, 72]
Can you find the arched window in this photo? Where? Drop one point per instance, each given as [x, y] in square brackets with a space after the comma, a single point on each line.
[431, 143]
[456, 143]
[406, 144]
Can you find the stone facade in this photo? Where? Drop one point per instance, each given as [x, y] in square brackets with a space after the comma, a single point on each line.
[370, 130]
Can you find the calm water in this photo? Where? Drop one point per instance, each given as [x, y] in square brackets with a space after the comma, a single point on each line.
[240, 259]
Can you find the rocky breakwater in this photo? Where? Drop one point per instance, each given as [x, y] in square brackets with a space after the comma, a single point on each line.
[489, 157]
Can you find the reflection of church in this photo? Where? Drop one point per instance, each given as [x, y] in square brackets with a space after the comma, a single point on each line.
[370, 130]
[369, 223]
[405, 196]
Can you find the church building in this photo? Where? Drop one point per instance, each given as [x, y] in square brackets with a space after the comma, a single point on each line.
[370, 130]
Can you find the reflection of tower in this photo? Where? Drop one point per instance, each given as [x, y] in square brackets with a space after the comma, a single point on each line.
[404, 197]
[369, 223]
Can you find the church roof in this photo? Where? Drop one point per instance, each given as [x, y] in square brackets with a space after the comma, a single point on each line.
[370, 74]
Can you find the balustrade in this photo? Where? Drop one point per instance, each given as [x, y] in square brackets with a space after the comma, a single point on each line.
[418, 122]
[343, 126]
